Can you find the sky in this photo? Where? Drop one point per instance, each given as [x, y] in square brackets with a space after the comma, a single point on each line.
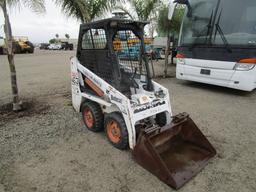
[41, 27]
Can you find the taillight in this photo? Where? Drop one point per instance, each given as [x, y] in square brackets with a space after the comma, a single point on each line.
[180, 58]
[245, 64]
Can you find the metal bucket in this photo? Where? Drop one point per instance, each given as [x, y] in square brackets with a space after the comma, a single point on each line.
[174, 153]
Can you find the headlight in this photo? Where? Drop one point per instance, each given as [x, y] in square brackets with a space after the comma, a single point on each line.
[245, 64]
[243, 67]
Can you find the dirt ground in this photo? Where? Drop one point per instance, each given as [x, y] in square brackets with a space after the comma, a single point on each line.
[47, 149]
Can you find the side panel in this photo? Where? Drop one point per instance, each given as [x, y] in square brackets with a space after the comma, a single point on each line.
[76, 93]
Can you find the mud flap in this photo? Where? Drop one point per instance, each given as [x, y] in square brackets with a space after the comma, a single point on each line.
[174, 153]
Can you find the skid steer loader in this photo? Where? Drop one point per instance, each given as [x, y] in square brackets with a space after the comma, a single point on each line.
[116, 94]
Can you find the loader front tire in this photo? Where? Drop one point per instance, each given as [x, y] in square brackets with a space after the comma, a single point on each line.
[116, 130]
[92, 116]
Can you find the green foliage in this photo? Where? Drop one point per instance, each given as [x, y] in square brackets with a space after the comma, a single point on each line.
[143, 9]
[35, 5]
[166, 26]
[67, 36]
[85, 10]
[53, 41]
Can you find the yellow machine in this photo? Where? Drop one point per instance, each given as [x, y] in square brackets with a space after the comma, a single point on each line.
[22, 45]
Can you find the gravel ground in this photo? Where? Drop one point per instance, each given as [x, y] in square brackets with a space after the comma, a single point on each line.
[46, 148]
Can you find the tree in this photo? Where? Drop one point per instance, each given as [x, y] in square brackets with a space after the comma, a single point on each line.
[166, 26]
[142, 10]
[169, 27]
[53, 41]
[67, 36]
[35, 5]
[85, 10]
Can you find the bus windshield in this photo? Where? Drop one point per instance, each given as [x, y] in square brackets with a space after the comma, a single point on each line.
[214, 20]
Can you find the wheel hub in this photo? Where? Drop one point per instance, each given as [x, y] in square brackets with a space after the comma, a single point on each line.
[88, 117]
[114, 131]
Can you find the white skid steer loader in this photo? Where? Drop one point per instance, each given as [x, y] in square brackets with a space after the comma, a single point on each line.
[112, 87]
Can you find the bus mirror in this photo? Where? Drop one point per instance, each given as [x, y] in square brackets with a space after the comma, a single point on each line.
[172, 6]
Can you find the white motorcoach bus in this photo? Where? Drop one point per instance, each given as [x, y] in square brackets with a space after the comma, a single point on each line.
[217, 43]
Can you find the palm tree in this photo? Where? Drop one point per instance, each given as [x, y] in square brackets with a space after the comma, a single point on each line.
[57, 37]
[85, 10]
[166, 26]
[67, 36]
[35, 5]
[142, 10]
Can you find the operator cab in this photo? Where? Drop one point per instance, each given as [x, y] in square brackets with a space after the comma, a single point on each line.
[114, 50]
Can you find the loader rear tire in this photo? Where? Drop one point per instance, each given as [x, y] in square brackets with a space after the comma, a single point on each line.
[161, 119]
[92, 116]
[116, 130]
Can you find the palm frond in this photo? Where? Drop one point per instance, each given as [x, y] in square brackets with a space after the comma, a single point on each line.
[76, 8]
[144, 9]
[165, 25]
[37, 6]
[86, 10]
[149, 8]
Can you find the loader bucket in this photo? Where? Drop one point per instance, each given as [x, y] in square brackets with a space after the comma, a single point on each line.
[174, 153]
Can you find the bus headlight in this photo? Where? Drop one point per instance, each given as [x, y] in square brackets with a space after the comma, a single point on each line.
[245, 64]
[243, 67]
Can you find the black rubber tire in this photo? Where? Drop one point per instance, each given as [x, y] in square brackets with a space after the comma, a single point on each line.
[17, 48]
[98, 117]
[117, 117]
[31, 50]
[161, 119]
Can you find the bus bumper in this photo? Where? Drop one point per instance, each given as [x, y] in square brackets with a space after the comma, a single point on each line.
[241, 80]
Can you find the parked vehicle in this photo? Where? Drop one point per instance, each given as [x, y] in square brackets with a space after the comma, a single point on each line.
[67, 46]
[218, 43]
[54, 47]
[152, 52]
[44, 46]
[20, 45]
[133, 52]
[24, 47]
[119, 95]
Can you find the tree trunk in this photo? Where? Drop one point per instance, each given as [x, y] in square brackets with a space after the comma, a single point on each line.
[17, 104]
[151, 29]
[167, 52]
